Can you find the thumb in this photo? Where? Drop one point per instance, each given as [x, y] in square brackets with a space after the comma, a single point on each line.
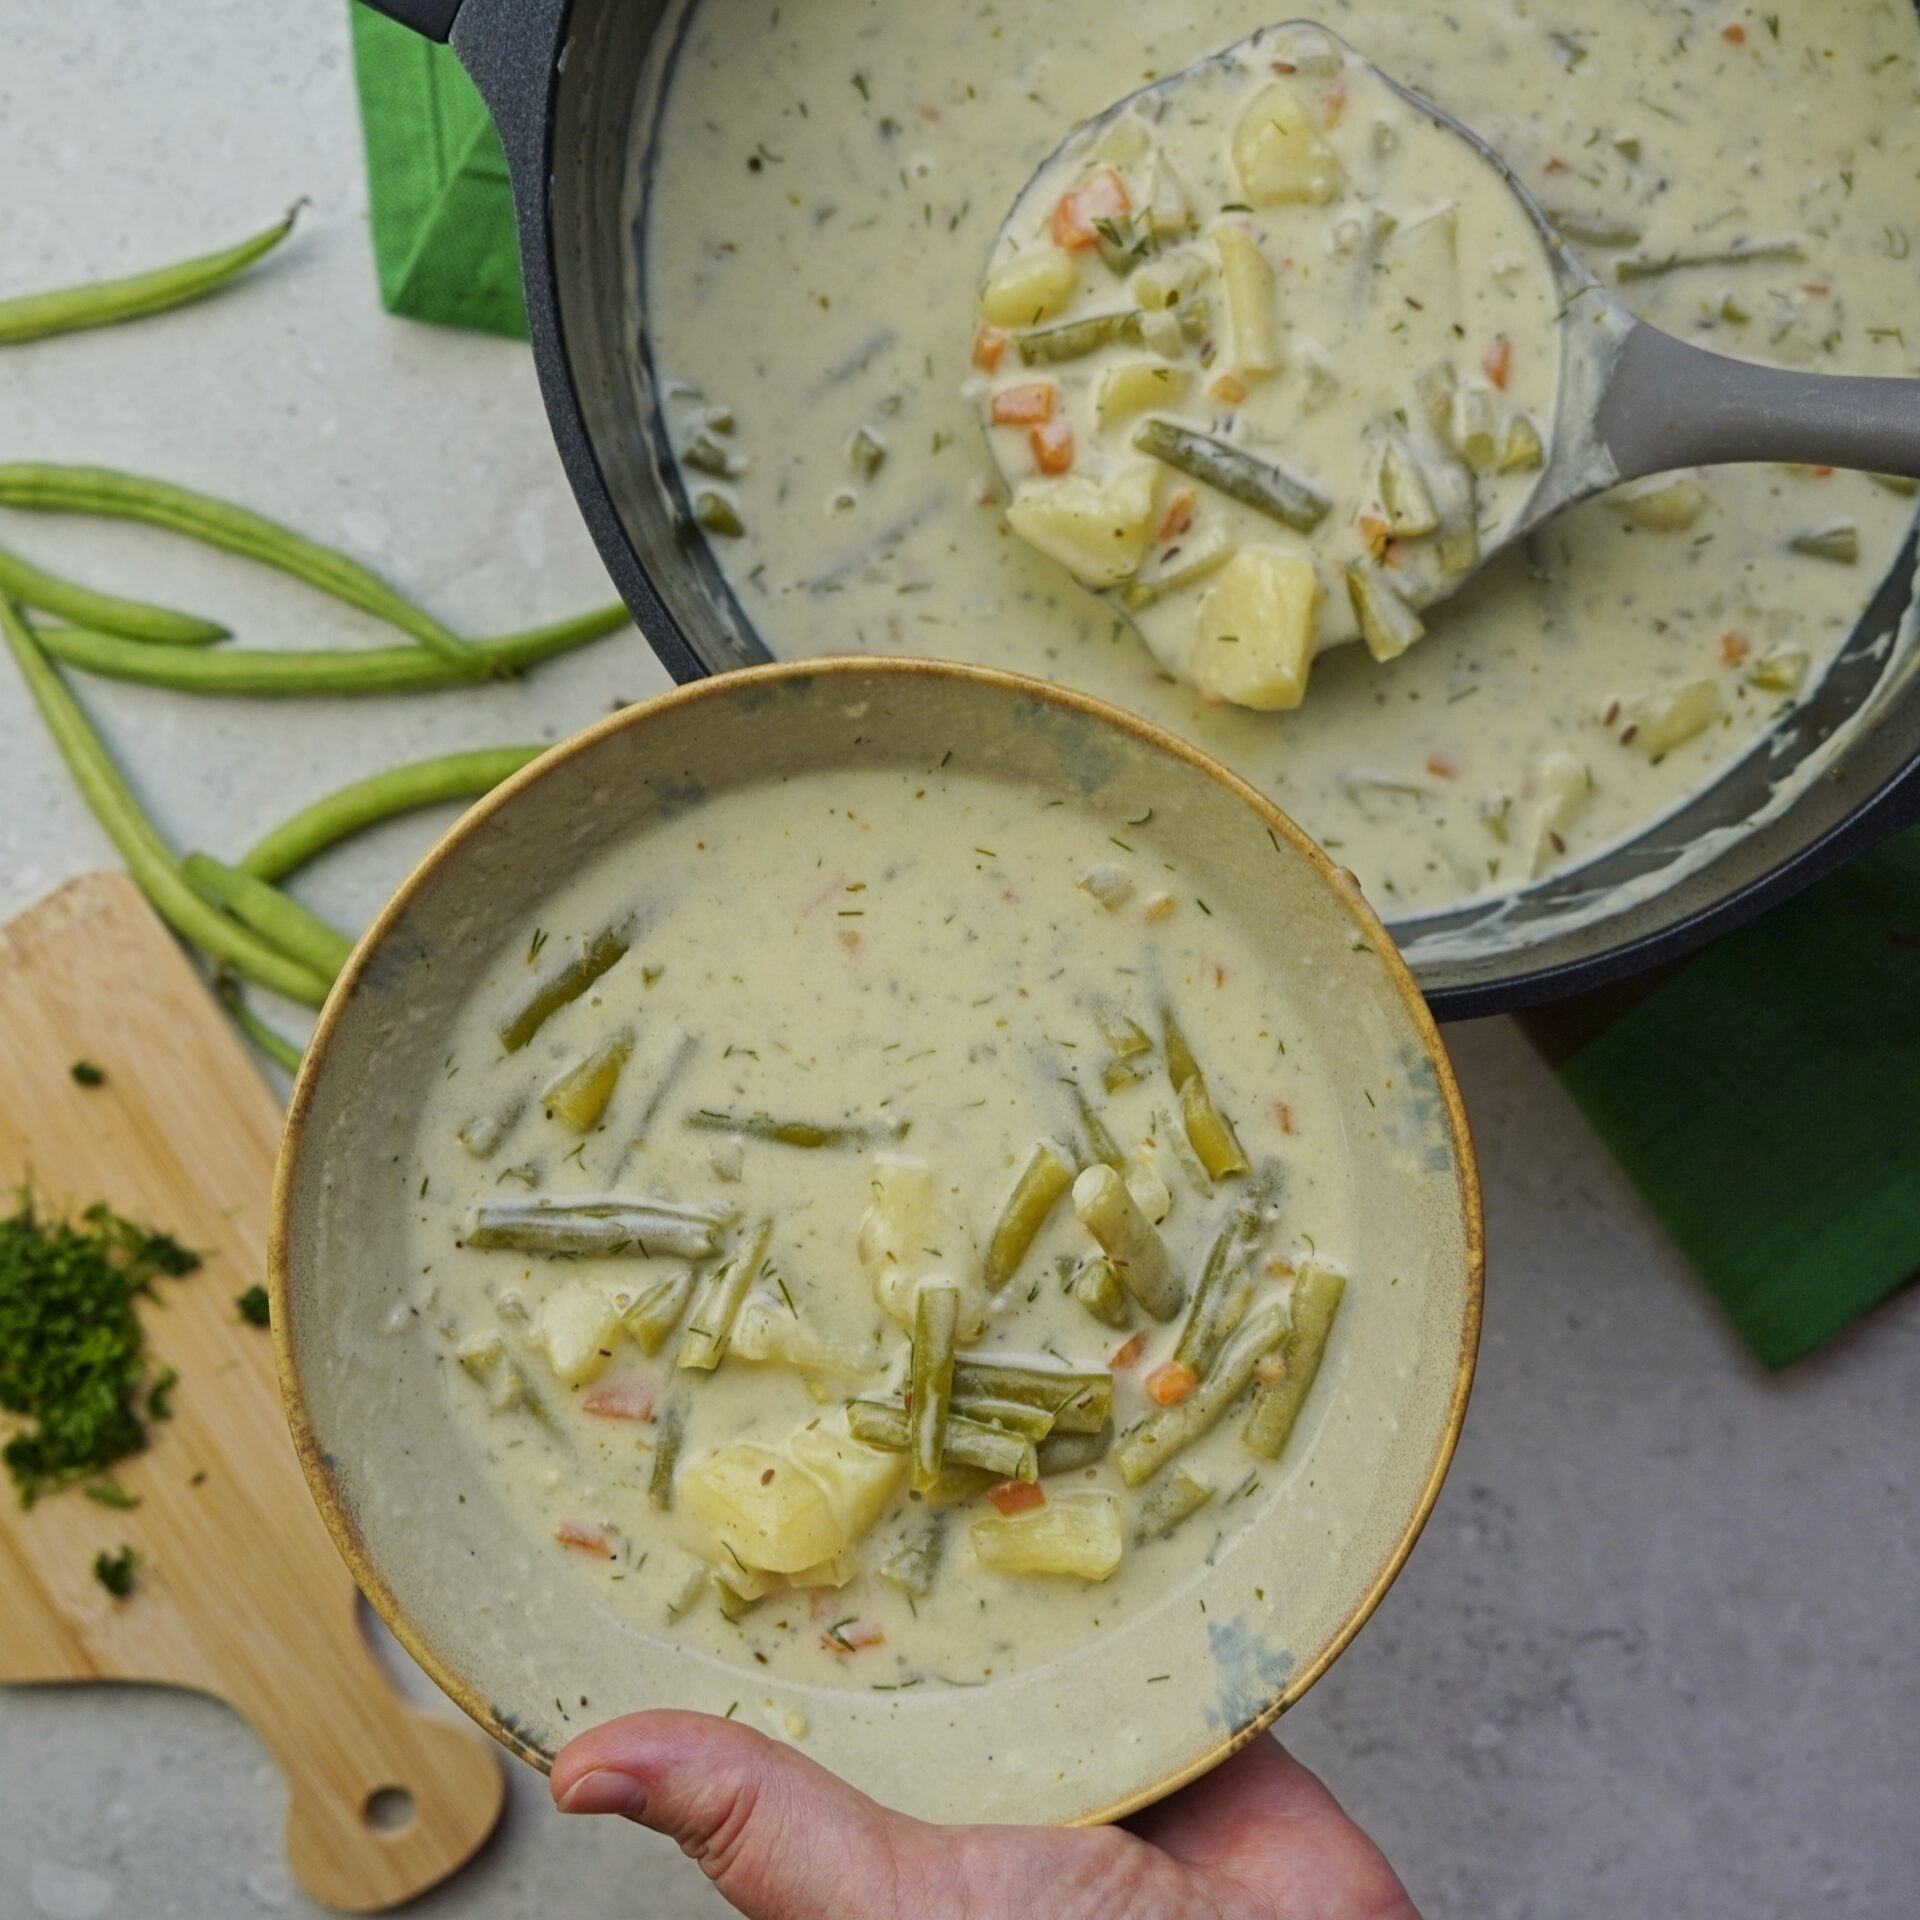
[781, 1837]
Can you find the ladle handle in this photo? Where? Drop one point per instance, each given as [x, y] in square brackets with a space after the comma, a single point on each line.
[1673, 405]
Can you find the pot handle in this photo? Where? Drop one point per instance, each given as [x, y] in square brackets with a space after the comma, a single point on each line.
[433, 18]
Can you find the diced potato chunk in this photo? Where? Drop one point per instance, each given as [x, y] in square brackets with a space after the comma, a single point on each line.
[1169, 206]
[856, 1481]
[1279, 155]
[1028, 289]
[1255, 635]
[1124, 142]
[1246, 277]
[768, 1333]
[1076, 1534]
[1096, 529]
[912, 1231]
[1665, 506]
[1668, 717]
[1561, 785]
[753, 1503]
[575, 1330]
[1135, 386]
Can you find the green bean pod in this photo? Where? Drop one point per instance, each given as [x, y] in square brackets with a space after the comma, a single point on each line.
[273, 915]
[1263, 485]
[257, 672]
[104, 303]
[40, 488]
[338, 816]
[148, 858]
[936, 1317]
[47, 592]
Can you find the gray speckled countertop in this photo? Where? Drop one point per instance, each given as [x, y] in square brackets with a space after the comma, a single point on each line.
[1655, 1654]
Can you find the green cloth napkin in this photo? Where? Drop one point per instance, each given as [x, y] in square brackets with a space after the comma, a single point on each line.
[442, 211]
[1765, 1099]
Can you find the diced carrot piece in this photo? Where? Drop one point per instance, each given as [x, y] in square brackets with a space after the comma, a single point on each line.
[1499, 362]
[989, 344]
[1443, 766]
[1229, 390]
[1017, 1496]
[1103, 196]
[1128, 1353]
[1052, 445]
[1558, 166]
[1734, 34]
[583, 1538]
[1179, 515]
[1283, 1116]
[1375, 532]
[1025, 405]
[1279, 1269]
[851, 1635]
[1734, 648]
[1333, 103]
[1823, 473]
[620, 1400]
[1167, 1386]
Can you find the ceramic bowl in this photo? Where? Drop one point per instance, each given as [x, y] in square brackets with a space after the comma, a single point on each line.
[451, 1570]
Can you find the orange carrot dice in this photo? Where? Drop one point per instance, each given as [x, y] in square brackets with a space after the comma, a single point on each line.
[989, 344]
[620, 1400]
[1128, 1353]
[1025, 405]
[1499, 362]
[1103, 196]
[1017, 1496]
[1167, 1386]
[583, 1538]
[1052, 445]
[1179, 515]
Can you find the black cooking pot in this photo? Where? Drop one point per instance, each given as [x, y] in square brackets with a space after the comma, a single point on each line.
[575, 87]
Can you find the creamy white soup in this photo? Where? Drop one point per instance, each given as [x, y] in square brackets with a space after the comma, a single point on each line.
[883, 1228]
[831, 179]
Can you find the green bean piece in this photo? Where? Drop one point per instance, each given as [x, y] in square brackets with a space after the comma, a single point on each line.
[1174, 1500]
[43, 488]
[1902, 485]
[280, 1050]
[1121, 242]
[969, 1443]
[1840, 541]
[1098, 1288]
[273, 915]
[1209, 1132]
[1753, 253]
[671, 1069]
[704, 1344]
[482, 1135]
[1388, 623]
[1126, 1036]
[1101, 1144]
[1070, 1452]
[1118, 1075]
[266, 674]
[1030, 1423]
[1175, 1049]
[1079, 1402]
[1075, 339]
[595, 1226]
[704, 454]
[913, 1565]
[1316, 1299]
[1404, 491]
[936, 1318]
[1141, 1452]
[717, 514]
[656, 1310]
[1593, 229]
[578, 1096]
[47, 592]
[148, 858]
[668, 1437]
[1045, 1177]
[1240, 475]
[1435, 387]
[562, 984]
[1227, 1282]
[787, 1132]
[1129, 1239]
[338, 816]
[867, 452]
[105, 303]
[1524, 451]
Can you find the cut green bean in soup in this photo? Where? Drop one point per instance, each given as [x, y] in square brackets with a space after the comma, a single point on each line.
[812, 1283]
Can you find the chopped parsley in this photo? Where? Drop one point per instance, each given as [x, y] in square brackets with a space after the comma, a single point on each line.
[86, 1074]
[114, 1571]
[252, 1306]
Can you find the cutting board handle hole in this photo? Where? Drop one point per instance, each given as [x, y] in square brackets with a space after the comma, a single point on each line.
[388, 1809]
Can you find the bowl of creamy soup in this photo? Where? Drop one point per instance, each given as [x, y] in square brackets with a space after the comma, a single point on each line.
[893, 1202]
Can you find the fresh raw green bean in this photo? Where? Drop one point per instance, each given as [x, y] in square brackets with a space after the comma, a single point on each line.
[424, 783]
[273, 915]
[669, 1435]
[561, 984]
[797, 1133]
[104, 303]
[1075, 339]
[1129, 1239]
[148, 858]
[1079, 1402]
[1143, 1451]
[1227, 1284]
[41, 488]
[1752, 253]
[1316, 1299]
[259, 673]
[704, 1344]
[1030, 1423]
[591, 1226]
[1097, 1287]
[969, 1443]
[280, 1050]
[1069, 1452]
[1176, 1499]
[936, 1318]
[914, 1563]
[656, 1310]
[1046, 1176]
[47, 592]
[1240, 475]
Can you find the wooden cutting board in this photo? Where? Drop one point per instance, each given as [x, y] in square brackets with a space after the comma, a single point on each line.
[240, 1592]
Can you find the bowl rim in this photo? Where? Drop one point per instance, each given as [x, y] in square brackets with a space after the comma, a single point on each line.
[440, 1668]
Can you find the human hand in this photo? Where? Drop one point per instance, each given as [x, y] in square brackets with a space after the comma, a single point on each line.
[1259, 1838]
